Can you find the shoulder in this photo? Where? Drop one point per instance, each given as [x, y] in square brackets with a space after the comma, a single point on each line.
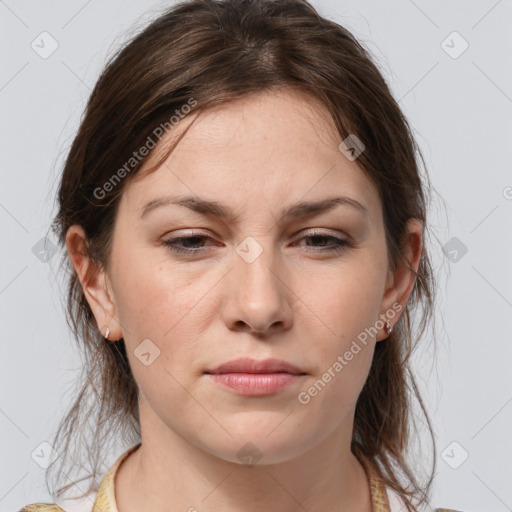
[41, 507]
[81, 504]
[397, 504]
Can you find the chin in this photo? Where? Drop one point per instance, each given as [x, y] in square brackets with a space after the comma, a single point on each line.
[252, 445]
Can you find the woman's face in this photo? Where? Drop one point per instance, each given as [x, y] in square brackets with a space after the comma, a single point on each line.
[308, 288]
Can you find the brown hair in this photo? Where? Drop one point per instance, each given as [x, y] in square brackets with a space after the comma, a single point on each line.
[215, 51]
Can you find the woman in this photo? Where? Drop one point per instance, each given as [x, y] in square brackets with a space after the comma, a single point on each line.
[245, 225]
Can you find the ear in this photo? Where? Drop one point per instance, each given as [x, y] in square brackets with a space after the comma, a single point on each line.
[95, 283]
[400, 282]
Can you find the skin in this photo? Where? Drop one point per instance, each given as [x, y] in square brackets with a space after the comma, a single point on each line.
[298, 301]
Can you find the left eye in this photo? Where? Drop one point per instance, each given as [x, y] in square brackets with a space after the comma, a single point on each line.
[177, 244]
[336, 245]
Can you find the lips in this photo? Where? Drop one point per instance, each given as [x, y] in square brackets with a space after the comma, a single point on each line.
[247, 365]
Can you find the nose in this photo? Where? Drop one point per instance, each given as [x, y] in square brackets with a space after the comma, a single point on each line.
[257, 296]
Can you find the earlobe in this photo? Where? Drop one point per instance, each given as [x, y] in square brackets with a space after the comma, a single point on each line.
[95, 283]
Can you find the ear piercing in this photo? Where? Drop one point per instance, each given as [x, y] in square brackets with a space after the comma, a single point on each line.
[389, 328]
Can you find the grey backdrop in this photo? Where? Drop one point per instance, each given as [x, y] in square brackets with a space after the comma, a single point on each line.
[449, 65]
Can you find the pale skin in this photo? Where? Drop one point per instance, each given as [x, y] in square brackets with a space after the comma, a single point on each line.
[298, 301]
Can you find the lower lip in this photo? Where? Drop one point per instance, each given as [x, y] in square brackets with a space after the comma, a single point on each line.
[255, 384]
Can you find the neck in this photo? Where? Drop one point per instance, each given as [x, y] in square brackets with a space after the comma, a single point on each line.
[169, 473]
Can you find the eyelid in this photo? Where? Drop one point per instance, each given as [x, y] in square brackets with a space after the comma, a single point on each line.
[320, 232]
[189, 232]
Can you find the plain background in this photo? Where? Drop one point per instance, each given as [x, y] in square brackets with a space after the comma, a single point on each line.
[460, 106]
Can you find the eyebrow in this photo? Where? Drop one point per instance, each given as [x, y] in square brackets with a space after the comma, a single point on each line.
[213, 208]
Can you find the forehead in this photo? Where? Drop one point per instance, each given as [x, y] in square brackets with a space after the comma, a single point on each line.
[255, 151]
[266, 116]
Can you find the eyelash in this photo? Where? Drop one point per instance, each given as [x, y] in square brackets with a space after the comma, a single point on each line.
[172, 244]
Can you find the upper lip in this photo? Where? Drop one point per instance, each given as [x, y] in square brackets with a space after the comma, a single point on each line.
[247, 365]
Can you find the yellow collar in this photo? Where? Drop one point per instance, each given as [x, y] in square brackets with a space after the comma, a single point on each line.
[106, 500]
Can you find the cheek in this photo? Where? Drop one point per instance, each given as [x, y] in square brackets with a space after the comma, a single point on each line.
[345, 300]
[161, 302]
[342, 308]
[330, 395]
[157, 305]
[152, 294]
[343, 364]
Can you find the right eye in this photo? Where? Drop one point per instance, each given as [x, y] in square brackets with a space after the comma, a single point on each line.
[177, 244]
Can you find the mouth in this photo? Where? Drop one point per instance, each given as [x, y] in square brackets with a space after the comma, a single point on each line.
[250, 377]
[254, 366]
[255, 384]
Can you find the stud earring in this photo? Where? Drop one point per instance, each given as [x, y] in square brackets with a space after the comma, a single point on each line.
[107, 332]
[389, 328]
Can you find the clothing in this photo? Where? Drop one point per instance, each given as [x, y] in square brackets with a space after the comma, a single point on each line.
[383, 499]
